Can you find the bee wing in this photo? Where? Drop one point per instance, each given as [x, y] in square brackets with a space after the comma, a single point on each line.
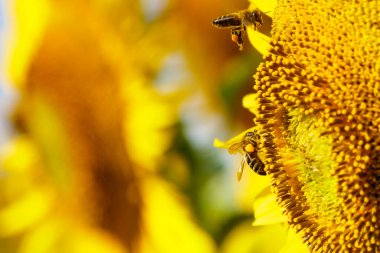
[239, 173]
[235, 148]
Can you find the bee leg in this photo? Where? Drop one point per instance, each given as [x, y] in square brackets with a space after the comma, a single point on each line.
[237, 37]
[240, 170]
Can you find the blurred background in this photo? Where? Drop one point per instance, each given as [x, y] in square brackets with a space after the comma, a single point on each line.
[108, 112]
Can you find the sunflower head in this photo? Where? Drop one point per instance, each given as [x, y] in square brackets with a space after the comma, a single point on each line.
[316, 106]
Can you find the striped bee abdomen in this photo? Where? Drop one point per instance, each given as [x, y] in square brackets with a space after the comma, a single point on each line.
[227, 21]
[255, 163]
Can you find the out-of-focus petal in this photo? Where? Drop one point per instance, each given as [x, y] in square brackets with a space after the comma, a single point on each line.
[25, 211]
[251, 187]
[247, 239]
[22, 43]
[148, 118]
[17, 155]
[169, 226]
[41, 239]
[294, 244]
[267, 211]
[63, 235]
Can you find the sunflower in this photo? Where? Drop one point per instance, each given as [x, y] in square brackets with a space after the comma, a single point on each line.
[316, 107]
[81, 174]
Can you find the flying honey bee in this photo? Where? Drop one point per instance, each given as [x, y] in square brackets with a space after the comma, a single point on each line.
[237, 22]
[249, 145]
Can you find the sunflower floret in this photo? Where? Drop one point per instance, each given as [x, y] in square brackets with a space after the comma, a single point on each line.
[317, 104]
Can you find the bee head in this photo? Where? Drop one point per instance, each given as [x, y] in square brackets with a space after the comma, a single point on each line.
[252, 138]
[257, 16]
[252, 135]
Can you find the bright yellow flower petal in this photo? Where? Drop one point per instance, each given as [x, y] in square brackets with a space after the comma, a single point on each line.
[294, 244]
[250, 102]
[251, 187]
[63, 235]
[25, 211]
[85, 239]
[247, 239]
[17, 156]
[42, 239]
[259, 40]
[147, 118]
[220, 144]
[22, 42]
[267, 211]
[169, 226]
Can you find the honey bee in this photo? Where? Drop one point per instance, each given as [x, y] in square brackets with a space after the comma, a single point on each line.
[237, 22]
[249, 145]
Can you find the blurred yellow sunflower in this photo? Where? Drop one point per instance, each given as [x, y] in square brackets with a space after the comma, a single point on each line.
[82, 175]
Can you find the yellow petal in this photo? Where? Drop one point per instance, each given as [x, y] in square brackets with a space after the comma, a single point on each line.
[169, 226]
[250, 102]
[65, 236]
[32, 16]
[220, 144]
[41, 239]
[147, 114]
[92, 240]
[267, 211]
[250, 187]
[18, 155]
[259, 40]
[25, 212]
[247, 239]
[294, 244]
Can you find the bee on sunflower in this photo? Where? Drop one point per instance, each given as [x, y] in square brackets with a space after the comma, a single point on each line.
[316, 101]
